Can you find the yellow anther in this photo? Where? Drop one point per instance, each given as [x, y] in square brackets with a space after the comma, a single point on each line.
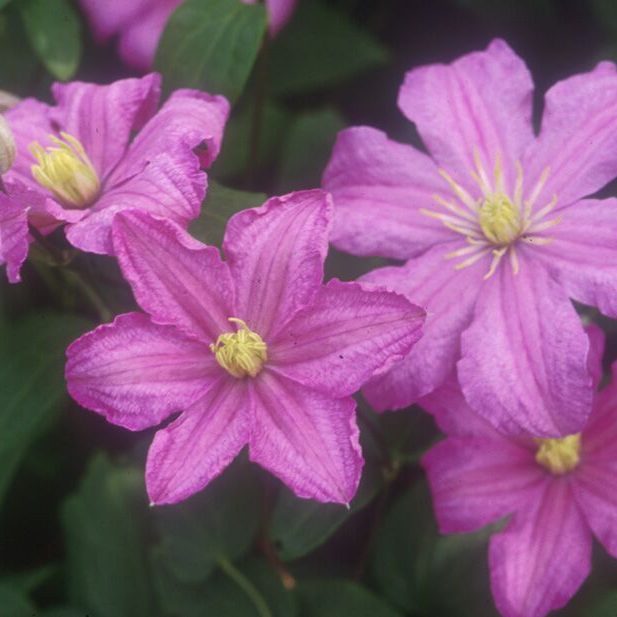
[499, 219]
[559, 455]
[66, 170]
[240, 353]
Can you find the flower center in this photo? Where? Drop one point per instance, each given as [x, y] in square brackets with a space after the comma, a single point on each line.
[66, 171]
[240, 353]
[560, 455]
[499, 219]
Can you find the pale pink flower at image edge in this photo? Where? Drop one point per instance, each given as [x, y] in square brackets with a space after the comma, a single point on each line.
[479, 476]
[495, 232]
[160, 169]
[297, 350]
[140, 23]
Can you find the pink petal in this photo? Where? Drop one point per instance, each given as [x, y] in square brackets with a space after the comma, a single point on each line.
[176, 279]
[13, 235]
[448, 295]
[109, 17]
[276, 255]
[524, 357]
[597, 342]
[578, 140]
[346, 337]
[279, 12]
[308, 440]
[379, 188]
[481, 101]
[478, 480]
[583, 253]
[171, 187]
[186, 455]
[103, 118]
[542, 558]
[136, 373]
[189, 120]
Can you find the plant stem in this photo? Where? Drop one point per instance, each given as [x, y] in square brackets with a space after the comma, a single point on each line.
[249, 589]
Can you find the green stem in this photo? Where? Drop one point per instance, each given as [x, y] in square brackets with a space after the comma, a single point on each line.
[249, 589]
[89, 292]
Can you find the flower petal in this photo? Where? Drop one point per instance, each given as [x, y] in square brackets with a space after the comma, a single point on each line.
[524, 356]
[13, 235]
[279, 13]
[481, 101]
[136, 373]
[171, 187]
[583, 253]
[104, 117]
[186, 455]
[478, 480]
[109, 17]
[379, 188]
[308, 440]
[578, 139]
[189, 120]
[448, 295]
[176, 279]
[541, 559]
[276, 255]
[345, 338]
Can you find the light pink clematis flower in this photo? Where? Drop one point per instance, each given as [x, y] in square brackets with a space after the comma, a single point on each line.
[103, 149]
[140, 23]
[556, 493]
[496, 231]
[253, 350]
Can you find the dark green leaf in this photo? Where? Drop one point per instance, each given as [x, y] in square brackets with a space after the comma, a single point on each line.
[104, 529]
[339, 599]
[53, 28]
[211, 44]
[319, 48]
[19, 74]
[31, 382]
[220, 205]
[308, 148]
[218, 523]
[64, 612]
[423, 572]
[14, 603]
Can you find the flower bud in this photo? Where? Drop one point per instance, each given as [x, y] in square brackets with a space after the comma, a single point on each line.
[7, 146]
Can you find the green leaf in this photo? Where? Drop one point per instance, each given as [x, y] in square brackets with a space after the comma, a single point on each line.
[321, 47]
[31, 382]
[250, 589]
[104, 528]
[20, 73]
[13, 603]
[218, 523]
[63, 612]
[220, 205]
[212, 45]
[339, 598]
[53, 29]
[308, 148]
[423, 572]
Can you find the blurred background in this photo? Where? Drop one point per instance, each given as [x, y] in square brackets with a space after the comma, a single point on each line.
[77, 536]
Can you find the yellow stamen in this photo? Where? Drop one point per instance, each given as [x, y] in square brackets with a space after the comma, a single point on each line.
[66, 170]
[499, 219]
[240, 353]
[560, 455]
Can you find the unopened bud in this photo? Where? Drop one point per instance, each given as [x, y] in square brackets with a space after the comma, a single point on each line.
[7, 146]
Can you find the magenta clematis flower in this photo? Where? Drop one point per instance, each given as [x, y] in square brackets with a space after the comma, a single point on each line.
[556, 493]
[496, 232]
[140, 23]
[80, 155]
[253, 350]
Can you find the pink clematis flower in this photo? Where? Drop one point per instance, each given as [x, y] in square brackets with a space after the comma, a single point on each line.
[103, 149]
[556, 493]
[140, 23]
[496, 232]
[253, 350]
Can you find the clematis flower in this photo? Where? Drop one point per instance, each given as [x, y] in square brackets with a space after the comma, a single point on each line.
[556, 494]
[140, 23]
[497, 232]
[252, 350]
[80, 155]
